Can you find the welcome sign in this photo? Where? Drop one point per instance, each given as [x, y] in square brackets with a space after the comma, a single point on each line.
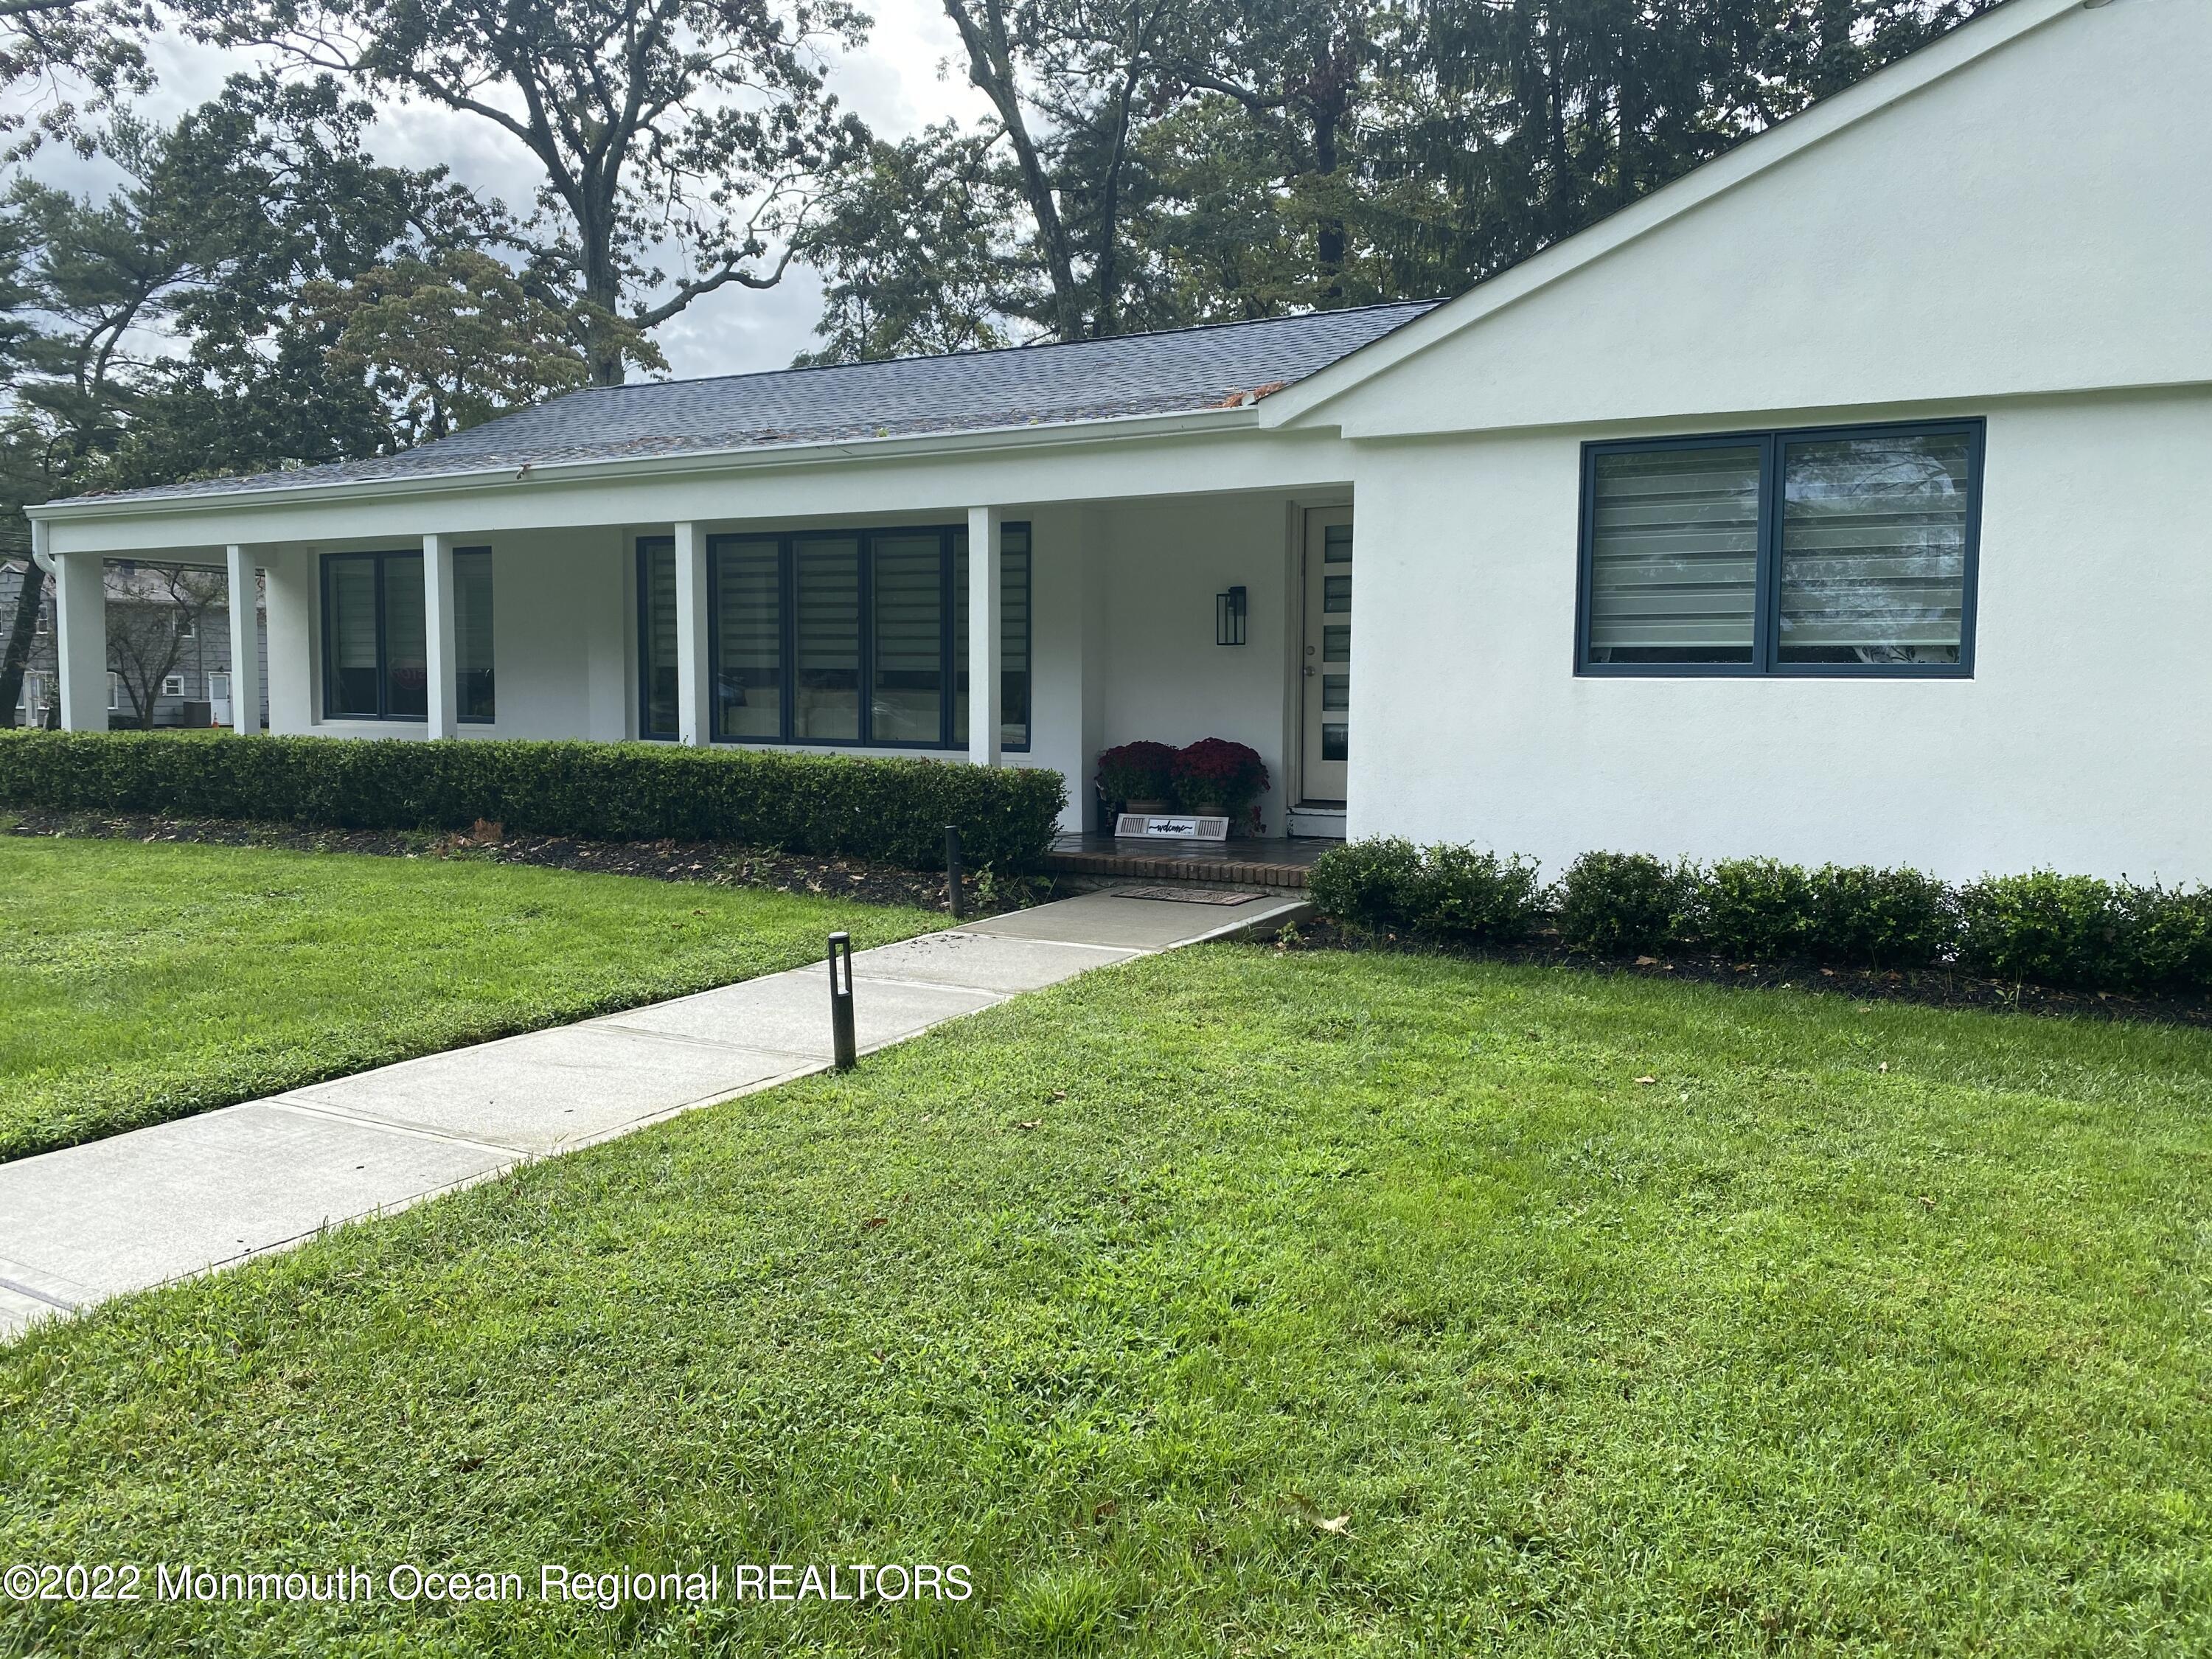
[1170, 827]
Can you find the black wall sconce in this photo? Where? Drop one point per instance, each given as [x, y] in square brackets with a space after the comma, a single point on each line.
[1228, 617]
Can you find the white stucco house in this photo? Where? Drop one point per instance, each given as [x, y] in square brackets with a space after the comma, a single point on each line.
[1846, 499]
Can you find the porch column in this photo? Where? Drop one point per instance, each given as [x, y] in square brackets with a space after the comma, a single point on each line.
[245, 642]
[694, 710]
[81, 640]
[442, 704]
[986, 559]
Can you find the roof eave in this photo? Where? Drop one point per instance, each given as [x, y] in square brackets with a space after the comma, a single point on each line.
[827, 452]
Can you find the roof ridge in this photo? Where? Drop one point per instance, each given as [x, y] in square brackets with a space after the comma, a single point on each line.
[1033, 347]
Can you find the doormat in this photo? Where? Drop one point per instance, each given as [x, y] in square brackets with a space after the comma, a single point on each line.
[1187, 895]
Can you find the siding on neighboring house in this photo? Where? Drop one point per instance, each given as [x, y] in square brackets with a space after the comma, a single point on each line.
[208, 652]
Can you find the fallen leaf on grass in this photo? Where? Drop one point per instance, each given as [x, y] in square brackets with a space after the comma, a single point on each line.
[1928, 1201]
[1883, 1067]
[1647, 1079]
[1335, 1523]
[1647, 961]
[1100, 1512]
[1031, 1123]
[873, 1222]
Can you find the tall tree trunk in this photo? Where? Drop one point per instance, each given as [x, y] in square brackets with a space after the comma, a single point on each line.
[1107, 318]
[991, 70]
[602, 287]
[16, 656]
[1328, 235]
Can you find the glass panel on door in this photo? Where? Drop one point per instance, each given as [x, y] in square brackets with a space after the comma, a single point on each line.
[1325, 675]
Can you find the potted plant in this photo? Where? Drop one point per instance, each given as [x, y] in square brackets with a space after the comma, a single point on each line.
[1219, 779]
[1133, 777]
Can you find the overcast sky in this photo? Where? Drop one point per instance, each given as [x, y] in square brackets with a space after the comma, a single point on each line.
[898, 81]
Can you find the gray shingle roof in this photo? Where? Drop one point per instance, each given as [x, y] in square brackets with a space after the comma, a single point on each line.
[1174, 371]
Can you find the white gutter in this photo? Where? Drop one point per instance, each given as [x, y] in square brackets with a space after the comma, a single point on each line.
[1243, 416]
[39, 557]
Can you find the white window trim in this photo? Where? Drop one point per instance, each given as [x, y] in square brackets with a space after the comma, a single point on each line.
[173, 685]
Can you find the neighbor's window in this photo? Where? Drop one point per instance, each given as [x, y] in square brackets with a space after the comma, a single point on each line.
[472, 676]
[173, 685]
[855, 637]
[1835, 552]
[375, 660]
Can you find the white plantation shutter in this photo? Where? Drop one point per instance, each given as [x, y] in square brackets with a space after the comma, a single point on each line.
[826, 578]
[1675, 554]
[909, 639]
[748, 638]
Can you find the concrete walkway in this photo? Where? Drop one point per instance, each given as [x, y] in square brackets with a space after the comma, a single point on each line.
[137, 1210]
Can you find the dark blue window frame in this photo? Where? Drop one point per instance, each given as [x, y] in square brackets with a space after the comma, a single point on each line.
[787, 629]
[1766, 591]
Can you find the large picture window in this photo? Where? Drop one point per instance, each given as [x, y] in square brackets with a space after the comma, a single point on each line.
[375, 665]
[376, 639]
[1841, 551]
[856, 638]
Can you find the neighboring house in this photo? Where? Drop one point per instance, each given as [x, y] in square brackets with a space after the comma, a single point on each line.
[1842, 500]
[197, 689]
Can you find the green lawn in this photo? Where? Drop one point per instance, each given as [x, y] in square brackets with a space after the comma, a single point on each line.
[145, 981]
[1236, 1302]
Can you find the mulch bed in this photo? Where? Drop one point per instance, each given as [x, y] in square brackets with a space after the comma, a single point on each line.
[1936, 988]
[715, 862]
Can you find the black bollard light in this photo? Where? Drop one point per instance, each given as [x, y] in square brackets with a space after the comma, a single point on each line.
[952, 872]
[840, 1002]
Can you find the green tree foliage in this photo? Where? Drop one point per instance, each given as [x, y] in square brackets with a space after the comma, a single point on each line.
[1156, 162]
[700, 125]
[55, 56]
[908, 252]
[166, 331]
[450, 339]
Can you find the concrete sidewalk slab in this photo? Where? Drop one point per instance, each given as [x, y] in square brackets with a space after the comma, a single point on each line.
[158, 1204]
[978, 962]
[789, 1012]
[544, 1091]
[1106, 918]
[141, 1209]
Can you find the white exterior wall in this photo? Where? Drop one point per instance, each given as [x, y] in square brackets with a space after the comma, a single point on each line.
[2023, 237]
[2083, 741]
[2037, 220]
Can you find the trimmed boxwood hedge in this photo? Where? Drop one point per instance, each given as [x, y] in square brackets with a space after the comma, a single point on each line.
[2076, 930]
[892, 811]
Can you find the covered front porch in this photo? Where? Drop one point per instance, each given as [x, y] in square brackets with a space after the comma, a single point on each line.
[1081, 625]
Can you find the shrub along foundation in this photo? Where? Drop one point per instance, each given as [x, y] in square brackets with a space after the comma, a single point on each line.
[2074, 933]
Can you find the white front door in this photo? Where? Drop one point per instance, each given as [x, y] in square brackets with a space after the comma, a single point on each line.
[1325, 671]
